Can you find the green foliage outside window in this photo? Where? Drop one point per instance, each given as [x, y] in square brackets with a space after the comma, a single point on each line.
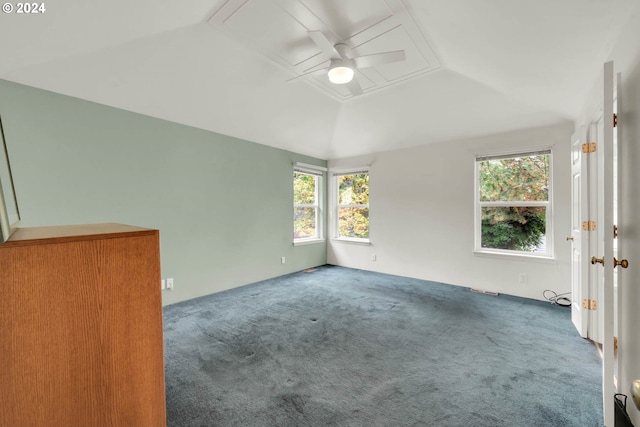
[353, 213]
[513, 228]
[305, 216]
[519, 179]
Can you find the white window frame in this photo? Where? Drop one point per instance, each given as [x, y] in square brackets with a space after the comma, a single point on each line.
[317, 172]
[548, 205]
[335, 197]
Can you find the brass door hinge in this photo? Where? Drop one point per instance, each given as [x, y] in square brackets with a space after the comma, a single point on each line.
[589, 304]
[589, 147]
[588, 225]
[615, 120]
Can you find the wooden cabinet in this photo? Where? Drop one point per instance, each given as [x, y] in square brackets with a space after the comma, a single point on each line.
[81, 327]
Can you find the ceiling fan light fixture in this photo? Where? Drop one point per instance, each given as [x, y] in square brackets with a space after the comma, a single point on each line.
[340, 74]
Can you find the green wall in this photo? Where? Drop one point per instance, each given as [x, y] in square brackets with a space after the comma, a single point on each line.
[223, 205]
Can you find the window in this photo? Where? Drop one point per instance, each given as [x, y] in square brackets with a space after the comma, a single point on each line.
[513, 204]
[307, 198]
[353, 205]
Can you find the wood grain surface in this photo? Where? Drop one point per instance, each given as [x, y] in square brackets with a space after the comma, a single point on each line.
[81, 331]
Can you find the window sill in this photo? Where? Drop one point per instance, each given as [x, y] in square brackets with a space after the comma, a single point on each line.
[303, 242]
[516, 257]
[364, 242]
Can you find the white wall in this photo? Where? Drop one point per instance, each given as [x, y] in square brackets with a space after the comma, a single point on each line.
[422, 216]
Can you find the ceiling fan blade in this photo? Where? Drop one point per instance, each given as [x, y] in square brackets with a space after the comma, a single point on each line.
[379, 59]
[354, 87]
[324, 44]
[308, 73]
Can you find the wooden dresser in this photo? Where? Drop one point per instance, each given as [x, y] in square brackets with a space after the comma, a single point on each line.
[81, 327]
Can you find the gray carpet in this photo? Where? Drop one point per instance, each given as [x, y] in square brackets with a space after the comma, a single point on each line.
[344, 347]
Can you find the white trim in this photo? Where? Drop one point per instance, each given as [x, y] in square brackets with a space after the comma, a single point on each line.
[309, 169]
[514, 203]
[516, 152]
[503, 155]
[548, 205]
[335, 206]
[515, 256]
[318, 206]
[351, 171]
[308, 241]
[352, 240]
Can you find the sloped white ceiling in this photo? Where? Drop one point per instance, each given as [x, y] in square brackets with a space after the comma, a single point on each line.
[473, 67]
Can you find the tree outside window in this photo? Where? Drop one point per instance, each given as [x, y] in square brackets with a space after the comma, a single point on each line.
[514, 202]
[353, 205]
[305, 206]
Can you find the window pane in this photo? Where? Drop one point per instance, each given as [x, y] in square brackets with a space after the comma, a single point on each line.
[353, 222]
[514, 228]
[515, 179]
[304, 188]
[353, 189]
[304, 223]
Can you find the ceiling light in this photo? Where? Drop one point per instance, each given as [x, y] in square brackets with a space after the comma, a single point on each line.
[340, 74]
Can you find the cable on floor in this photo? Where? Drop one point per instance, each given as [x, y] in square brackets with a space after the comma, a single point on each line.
[558, 299]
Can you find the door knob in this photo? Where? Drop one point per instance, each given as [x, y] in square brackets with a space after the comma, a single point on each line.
[635, 393]
[570, 238]
[622, 263]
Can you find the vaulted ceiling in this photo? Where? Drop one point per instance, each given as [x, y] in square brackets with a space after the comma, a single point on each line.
[472, 67]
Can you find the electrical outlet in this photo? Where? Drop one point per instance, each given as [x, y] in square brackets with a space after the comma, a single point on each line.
[163, 284]
[170, 283]
[283, 260]
[524, 278]
[374, 257]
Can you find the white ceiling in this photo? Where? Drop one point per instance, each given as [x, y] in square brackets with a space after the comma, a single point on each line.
[367, 27]
[473, 67]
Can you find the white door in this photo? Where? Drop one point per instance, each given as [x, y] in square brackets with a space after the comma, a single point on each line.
[609, 190]
[587, 187]
[598, 203]
[579, 245]
[617, 275]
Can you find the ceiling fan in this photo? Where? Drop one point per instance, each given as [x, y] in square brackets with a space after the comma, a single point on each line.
[342, 66]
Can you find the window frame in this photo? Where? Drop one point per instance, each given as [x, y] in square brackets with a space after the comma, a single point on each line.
[548, 205]
[335, 197]
[318, 173]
